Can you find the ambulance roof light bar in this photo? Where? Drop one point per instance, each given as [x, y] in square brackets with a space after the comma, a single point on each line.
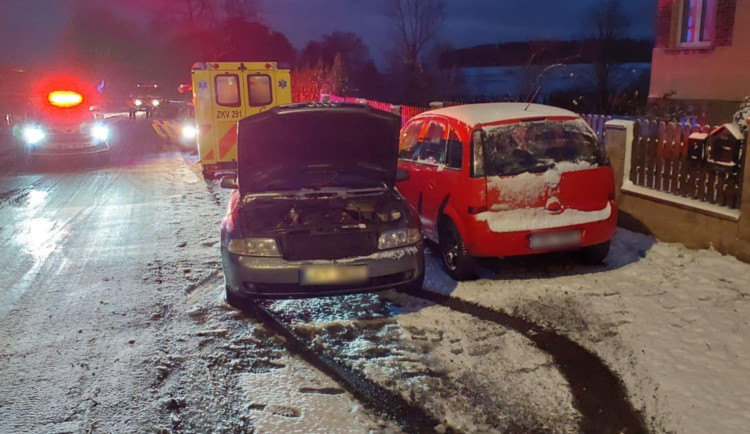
[65, 98]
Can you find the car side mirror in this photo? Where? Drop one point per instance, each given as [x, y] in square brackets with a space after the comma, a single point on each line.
[402, 175]
[229, 182]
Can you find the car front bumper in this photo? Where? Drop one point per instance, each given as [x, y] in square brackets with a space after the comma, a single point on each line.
[257, 277]
[75, 149]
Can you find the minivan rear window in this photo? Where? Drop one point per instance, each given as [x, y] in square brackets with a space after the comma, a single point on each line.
[537, 145]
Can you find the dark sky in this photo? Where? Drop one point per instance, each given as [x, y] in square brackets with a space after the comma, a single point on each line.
[30, 29]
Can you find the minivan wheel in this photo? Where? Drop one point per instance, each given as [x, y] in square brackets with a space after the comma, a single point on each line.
[594, 255]
[457, 260]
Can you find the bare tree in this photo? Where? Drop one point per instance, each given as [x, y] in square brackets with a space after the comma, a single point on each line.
[417, 23]
[610, 23]
[247, 10]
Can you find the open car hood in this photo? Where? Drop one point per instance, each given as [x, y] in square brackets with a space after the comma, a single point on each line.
[301, 146]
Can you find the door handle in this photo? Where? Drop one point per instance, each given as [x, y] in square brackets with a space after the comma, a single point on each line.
[431, 186]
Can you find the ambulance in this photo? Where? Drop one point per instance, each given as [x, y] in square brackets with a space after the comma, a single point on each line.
[224, 93]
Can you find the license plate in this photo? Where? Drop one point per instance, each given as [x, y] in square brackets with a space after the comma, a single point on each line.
[551, 240]
[333, 274]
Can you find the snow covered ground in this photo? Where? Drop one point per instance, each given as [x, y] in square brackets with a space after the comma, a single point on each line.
[672, 322]
[112, 319]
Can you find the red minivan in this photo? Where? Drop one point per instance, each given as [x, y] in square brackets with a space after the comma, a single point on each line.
[507, 179]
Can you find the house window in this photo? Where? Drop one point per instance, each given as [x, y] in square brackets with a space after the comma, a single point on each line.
[697, 22]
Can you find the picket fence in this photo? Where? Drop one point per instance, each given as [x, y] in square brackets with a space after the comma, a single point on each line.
[659, 161]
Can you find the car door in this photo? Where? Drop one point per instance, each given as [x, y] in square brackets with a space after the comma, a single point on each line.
[447, 183]
[409, 143]
[430, 160]
[228, 108]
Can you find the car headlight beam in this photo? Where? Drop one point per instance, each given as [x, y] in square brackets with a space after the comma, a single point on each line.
[264, 247]
[33, 135]
[398, 238]
[189, 132]
[155, 103]
[100, 132]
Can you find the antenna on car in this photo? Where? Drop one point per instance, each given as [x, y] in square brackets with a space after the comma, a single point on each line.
[539, 77]
[533, 97]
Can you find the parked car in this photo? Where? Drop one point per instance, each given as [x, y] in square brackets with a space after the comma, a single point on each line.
[506, 179]
[314, 211]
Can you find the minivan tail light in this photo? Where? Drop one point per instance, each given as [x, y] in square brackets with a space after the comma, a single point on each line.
[474, 210]
[477, 155]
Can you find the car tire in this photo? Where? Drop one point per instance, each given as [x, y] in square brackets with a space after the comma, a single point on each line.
[456, 258]
[594, 255]
[234, 300]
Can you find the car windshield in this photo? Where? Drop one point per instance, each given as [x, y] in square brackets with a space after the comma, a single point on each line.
[538, 145]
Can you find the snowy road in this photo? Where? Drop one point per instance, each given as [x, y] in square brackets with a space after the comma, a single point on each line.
[112, 320]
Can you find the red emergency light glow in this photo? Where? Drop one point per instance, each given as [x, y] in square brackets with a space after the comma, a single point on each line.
[65, 98]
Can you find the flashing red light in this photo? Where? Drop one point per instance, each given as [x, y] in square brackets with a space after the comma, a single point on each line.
[65, 98]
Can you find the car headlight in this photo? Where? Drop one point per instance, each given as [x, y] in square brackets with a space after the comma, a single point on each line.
[398, 238]
[189, 132]
[138, 103]
[254, 247]
[155, 103]
[33, 135]
[100, 132]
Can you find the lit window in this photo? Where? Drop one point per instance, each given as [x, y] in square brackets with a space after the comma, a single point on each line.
[697, 22]
[228, 90]
[259, 88]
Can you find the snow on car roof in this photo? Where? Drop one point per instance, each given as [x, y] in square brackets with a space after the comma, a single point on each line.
[473, 114]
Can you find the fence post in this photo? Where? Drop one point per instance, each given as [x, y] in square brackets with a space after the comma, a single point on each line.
[619, 145]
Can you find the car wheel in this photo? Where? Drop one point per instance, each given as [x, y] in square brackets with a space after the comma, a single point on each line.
[457, 260]
[235, 300]
[594, 255]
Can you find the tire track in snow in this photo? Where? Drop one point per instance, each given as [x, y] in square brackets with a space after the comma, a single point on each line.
[599, 394]
[409, 417]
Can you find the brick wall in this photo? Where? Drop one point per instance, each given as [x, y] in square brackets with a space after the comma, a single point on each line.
[663, 23]
[725, 17]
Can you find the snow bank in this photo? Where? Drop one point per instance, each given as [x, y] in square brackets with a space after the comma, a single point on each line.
[531, 219]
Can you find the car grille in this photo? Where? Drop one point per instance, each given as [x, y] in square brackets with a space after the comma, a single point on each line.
[66, 140]
[328, 246]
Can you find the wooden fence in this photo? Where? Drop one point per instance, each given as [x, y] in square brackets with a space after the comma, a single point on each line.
[659, 161]
[596, 122]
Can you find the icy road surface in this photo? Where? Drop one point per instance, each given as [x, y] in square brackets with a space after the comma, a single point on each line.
[112, 320]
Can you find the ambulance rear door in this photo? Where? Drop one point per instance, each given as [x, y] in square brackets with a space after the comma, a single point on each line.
[228, 107]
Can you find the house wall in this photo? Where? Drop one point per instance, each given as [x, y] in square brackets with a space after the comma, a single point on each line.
[706, 76]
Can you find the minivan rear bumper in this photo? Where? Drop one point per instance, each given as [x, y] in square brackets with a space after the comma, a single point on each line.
[481, 241]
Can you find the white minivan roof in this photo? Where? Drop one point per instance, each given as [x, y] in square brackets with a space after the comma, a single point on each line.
[474, 114]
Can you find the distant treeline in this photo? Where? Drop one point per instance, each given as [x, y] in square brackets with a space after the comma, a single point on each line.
[548, 53]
